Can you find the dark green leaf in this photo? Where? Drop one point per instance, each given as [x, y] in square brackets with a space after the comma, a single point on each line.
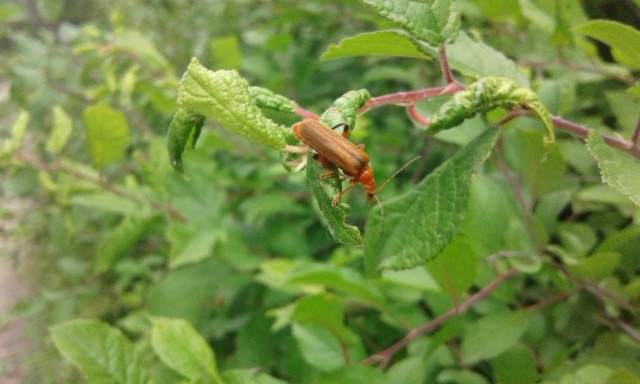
[492, 335]
[420, 223]
[183, 133]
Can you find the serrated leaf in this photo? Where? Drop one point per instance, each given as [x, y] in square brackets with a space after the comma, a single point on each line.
[344, 109]
[62, 128]
[18, 131]
[107, 133]
[618, 169]
[384, 43]
[223, 96]
[265, 98]
[182, 349]
[475, 59]
[102, 352]
[484, 95]
[492, 335]
[420, 223]
[623, 39]
[183, 134]
[432, 21]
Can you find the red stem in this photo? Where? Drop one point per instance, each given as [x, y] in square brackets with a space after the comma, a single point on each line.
[416, 116]
[385, 356]
[305, 114]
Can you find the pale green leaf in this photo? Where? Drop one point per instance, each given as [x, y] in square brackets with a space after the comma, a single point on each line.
[18, 131]
[107, 133]
[137, 43]
[384, 43]
[265, 98]
[635, 90]
[420, 223]
[432, 21]
[224, 97]
[623, 39]
[618, 169]
[492, 335]
[182, 348]
[102, 352]
[62, 128]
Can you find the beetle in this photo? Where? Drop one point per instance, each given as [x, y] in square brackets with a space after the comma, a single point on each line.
[333, 148]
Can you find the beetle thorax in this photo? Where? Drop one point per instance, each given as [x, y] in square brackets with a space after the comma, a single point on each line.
[368, 182]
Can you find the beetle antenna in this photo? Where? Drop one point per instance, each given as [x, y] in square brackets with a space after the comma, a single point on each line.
[396, 172]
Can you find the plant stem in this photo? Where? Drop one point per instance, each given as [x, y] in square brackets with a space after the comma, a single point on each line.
[403, 98]
[636, 133]
[305, 114]
[384, 357]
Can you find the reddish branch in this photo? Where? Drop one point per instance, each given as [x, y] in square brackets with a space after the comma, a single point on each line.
[385, 356]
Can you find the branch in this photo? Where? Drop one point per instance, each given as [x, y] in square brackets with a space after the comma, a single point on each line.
[57, 166]
[384, 357]
[635, 134]
[446, 70]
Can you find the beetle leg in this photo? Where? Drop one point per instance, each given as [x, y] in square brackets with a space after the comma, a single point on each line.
[345, 130]
[337, 198]
[328, 174]
[361, 146]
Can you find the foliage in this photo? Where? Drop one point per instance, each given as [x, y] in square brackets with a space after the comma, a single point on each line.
[508, 253]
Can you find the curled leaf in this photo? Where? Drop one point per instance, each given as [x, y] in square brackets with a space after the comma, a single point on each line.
[265, 98]
[184, 131]
[484, 95]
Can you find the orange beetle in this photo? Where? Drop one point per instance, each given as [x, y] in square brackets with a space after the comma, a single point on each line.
[336, 149]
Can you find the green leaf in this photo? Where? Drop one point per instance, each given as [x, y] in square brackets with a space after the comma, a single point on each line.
[264, 98]
[182, 348]
[354, 374]
[117, 243]
[432, 21]
[335, 216]
[455, 267]
[484, 95]
[343, 110]
[107, 133]
[319, 347]
[515, 366]
[492, 335]
[102, 352]
[249, 376]
[595, 267]
[140, 45]
[62, 128]
[224, 97]
[420, 223]
[623, 39]
[18, 130]
[618, 169]
[635, 90]
[326, 311]
[475, 59]
[385, 43]
[183, 134]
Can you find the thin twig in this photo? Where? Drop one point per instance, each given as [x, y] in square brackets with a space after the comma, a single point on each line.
[416, 116]
[636, 133]
[384, 357]
[305, 114]
[403, 98]
[57, 166]
[446, 69]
